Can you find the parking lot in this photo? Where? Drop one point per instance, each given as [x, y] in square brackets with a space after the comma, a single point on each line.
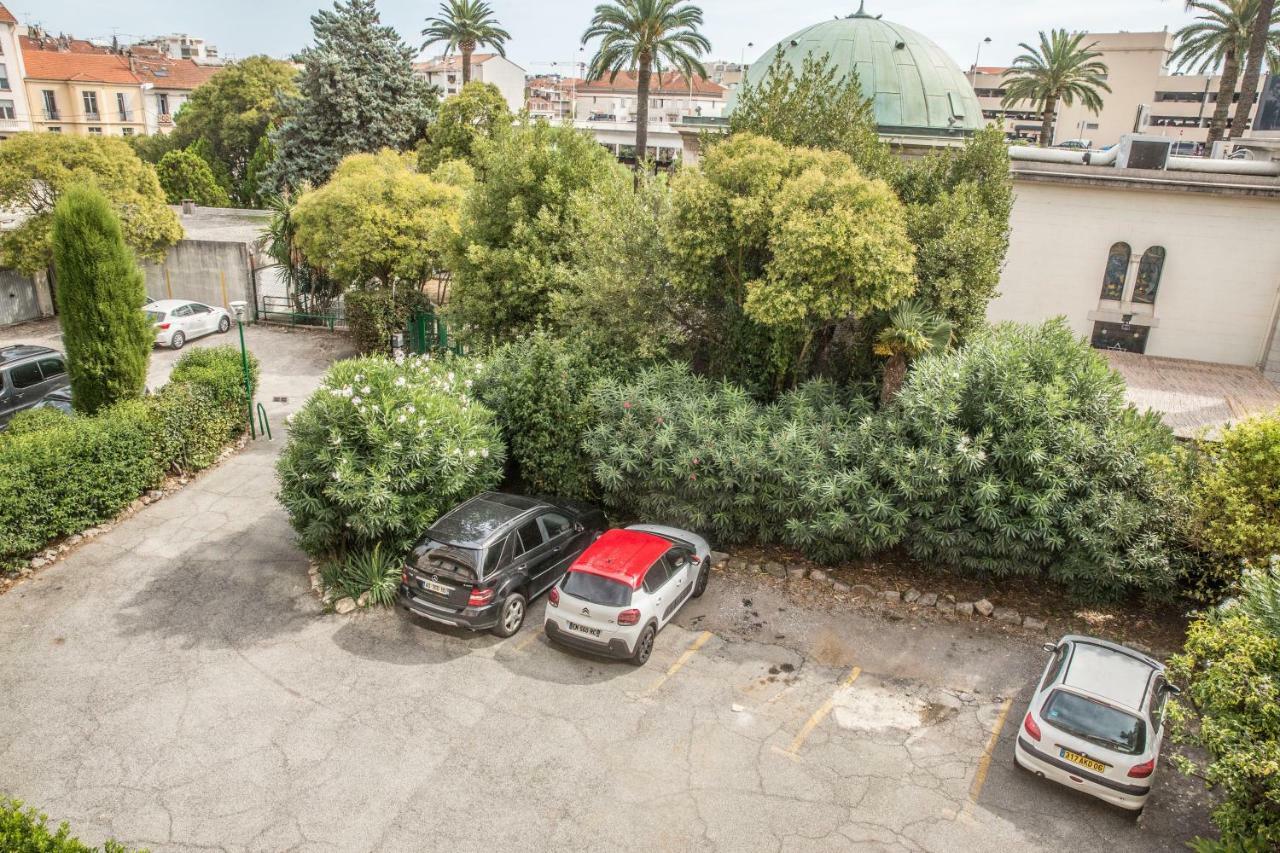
[175, 684]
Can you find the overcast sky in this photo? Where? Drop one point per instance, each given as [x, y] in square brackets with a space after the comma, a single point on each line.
[549, 30]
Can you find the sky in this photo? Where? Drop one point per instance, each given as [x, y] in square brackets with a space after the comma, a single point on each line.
[548, 31]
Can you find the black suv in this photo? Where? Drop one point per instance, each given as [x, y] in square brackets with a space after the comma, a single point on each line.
[28, 374]
[481, 563]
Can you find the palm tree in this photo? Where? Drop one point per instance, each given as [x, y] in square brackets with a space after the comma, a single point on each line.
[1262, 41]
[913, 330]
[1219, 38]
[463, 25]
[1061, 69]
[641, 36]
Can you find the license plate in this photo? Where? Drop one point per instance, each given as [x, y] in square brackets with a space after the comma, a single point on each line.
[594, 632]
[1077, 758]
[437, 588]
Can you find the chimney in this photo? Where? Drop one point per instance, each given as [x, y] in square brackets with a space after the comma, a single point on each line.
[188, 207]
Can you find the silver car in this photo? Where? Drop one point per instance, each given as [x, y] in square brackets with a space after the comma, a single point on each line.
[28, 374]
[1096, 720]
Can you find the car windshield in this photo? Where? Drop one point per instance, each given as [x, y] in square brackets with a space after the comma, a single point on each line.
[155, 316]
[596, 589]
[1095, 722]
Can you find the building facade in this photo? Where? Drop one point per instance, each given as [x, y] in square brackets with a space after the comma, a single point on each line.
[15, 109]
[445, 72]
[1146, 96]
[184, 46]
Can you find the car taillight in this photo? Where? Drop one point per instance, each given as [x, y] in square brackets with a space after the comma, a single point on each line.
[629, 617]
[480, 597]
[162, 325]
[1143, 770]
[404, 576]
[1031, 727]
[553, 597]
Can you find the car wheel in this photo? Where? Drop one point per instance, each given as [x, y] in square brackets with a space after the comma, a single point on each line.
[177, 340]
[511, 616]
[224, 325]
[704, 575]
[644, 646]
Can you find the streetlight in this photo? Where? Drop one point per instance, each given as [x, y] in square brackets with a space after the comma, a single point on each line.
[973, 75]
[238, 306]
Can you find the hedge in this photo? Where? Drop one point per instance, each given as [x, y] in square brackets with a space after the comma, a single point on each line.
[61, 474]
[27, 831]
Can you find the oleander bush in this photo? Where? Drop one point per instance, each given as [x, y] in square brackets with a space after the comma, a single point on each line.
[382, 449]
[1230, 707]
[374, 314]
[25, 830]
[538, 387]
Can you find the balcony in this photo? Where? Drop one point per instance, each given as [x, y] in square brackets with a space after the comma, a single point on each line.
[94, 116]
[52, 115]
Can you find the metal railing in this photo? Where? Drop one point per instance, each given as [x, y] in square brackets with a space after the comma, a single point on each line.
[280, 309]
[429, 332]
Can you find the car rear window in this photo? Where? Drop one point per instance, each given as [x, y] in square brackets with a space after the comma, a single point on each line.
[155, 316]
[431, 556]
[597, 590]
[1095, 722]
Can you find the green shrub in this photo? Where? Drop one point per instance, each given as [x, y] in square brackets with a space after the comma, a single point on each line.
[1019, 455]
[34, 420]
[1230, 707]
[375, 571]
[381, 450]
[71, 475]
[220, 370]
[375, 314]
[27, 831]
[538, 386]
[188, 427]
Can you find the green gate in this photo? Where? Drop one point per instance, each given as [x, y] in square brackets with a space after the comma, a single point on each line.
[428, 332]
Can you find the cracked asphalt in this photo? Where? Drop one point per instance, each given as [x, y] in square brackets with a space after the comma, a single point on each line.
[175, 685]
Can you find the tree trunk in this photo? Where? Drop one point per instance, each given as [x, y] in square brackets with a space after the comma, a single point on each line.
[1046, 123]
[1253, 67]
[642, 108]
[895, 373]
[467, 48]
[1226, 92]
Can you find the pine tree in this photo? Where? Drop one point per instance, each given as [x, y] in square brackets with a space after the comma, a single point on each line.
[358, 94]
[100, 292]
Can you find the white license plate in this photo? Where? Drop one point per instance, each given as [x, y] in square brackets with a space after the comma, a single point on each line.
[436, 587]
[592, 632]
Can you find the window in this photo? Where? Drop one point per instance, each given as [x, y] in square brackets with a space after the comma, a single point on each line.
[90, 105]
[1117, 271]
[530, 536]
[4, 77]
[659, 573]
[126, 131]
[1149, 270]
[50, 104]
[1095, 722]
[1124, 337]
[95, 131]
[1055, 666]
[182, 311]
[6, 110]
[197, 308]
[162, 104]
[26, 375]
[595, 589]
[55, 130]
[52, 367]
[1157, 704]
[497, 555]
[122, 104]
[554, 524]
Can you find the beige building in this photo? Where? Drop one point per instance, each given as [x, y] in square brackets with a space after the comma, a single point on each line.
[1146, 95]
[81, 93]
[1177, 264]
[15, 109]
[445, 72]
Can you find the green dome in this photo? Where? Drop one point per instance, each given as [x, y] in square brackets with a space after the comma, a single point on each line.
[915, 87]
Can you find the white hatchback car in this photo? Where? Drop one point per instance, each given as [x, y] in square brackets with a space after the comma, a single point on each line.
[180, 320]
[624, 588]
[1096, 720]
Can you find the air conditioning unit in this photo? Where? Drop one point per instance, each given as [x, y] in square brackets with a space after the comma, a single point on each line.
[1144, 152]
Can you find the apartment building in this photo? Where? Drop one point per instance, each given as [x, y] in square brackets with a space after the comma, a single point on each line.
[183, 46]
[671, 97]
[166, 85]
[1146, 94]
[15, 109]
[445, 72]
[552, 97]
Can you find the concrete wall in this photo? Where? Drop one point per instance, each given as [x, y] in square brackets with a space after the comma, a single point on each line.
[203, 271]
[1220, 291]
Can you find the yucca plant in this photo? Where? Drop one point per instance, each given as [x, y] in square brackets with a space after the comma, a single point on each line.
[913, 330]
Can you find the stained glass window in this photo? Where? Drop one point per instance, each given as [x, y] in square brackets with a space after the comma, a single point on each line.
[1149, 270]
[1117, 272]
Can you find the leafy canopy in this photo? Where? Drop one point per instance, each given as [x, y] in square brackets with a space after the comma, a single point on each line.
[378, 221]
[357, 93]
[1237, 495]
[479, 111]
[35, 170]
[184, 174]
[100, 291]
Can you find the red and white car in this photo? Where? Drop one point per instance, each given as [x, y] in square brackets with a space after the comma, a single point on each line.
[625, 587]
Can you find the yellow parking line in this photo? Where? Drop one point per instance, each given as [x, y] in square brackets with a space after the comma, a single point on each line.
[984, 764]
[821, 714]
[680, 662]
[528, 641]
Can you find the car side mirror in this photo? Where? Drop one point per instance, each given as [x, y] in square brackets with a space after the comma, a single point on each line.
[1171, 689]
[577, 527]
[1050, 647]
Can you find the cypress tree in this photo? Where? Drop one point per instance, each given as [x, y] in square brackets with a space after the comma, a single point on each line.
[100, 292]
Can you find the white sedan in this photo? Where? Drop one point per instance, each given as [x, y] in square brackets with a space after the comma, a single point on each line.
[179, 320]
[1096, 720]
[625, 588]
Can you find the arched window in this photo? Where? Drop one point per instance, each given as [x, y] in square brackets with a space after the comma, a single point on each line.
[1117, 272]
[1149, 269]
